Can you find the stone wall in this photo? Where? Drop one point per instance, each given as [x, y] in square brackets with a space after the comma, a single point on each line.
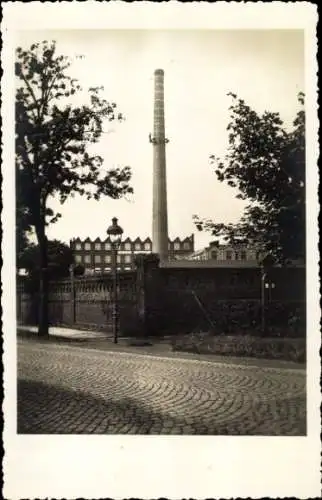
[229, 300]
[84, 303]
[156, 300]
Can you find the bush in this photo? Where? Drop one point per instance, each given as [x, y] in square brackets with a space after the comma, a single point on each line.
[289, 349]
[231, 316]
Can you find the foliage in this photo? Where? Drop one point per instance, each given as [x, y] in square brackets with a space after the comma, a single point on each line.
[283, 319]
[232, 316]
[22, 225]
[52, 140]
[52, 135]
[287, 349]
[60, 257]
[22, 240]
[79, 270]
[267, 166]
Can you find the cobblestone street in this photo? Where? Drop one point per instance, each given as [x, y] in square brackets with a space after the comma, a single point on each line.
[64, 389]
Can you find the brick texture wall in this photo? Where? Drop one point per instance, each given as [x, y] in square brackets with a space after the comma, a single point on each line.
[154, 300]
[229, 300]
[87, 303]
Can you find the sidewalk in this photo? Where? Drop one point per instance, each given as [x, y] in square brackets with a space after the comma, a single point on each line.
[66, 333]
[152, 346]
[92, 337]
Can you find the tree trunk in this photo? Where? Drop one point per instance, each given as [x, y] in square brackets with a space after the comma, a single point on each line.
[43, 327]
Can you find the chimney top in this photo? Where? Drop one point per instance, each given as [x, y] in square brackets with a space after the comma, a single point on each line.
[159, 72]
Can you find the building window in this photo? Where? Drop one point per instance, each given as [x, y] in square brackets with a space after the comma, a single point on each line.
[228, 255]
[127, 246]
[87, 246]
[214, 255]
[107, 259]
[87, 259]
[186, 245]
[176, 246]
[78, 246]
[128, 258]
[119, 260]
[97, 246]
[107, 246]
[147, 246]
[97, 259]
[78, 259]
[137, 246]
[243, 255]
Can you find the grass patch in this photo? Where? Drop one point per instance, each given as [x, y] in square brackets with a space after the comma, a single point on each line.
[287, 349]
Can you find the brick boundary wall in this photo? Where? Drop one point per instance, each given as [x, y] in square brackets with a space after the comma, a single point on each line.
[155, 300]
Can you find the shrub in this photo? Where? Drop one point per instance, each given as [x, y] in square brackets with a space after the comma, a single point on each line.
[289, 349]
[234, 316]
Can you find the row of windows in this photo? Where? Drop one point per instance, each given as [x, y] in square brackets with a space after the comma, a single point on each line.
[98, 259]
[89, 270]
[128, 246]
[107, 246]
[229, 255]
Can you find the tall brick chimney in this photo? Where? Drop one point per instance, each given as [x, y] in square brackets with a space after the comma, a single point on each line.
[158, 140]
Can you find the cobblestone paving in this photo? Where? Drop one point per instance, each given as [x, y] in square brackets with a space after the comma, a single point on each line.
[69, 390]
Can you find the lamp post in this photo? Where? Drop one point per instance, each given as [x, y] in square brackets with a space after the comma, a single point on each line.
[266, 286]
[263, 305]
[115, 234]
[72, 293]
[270, 285]
[266, 264]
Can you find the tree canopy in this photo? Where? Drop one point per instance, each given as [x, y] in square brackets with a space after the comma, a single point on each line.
[53, 135]
[266, 163]
[60, 257]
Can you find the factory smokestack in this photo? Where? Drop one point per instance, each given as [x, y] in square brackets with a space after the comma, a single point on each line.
[158, 140]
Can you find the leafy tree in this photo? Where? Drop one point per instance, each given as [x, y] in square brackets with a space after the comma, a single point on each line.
[22, 240]
[59, 257]
[79, 270]
[266, 164]
[52, 139]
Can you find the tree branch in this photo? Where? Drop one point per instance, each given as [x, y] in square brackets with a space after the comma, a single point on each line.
[31, 93]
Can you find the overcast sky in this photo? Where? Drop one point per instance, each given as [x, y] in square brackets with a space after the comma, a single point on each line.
[264, 67]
